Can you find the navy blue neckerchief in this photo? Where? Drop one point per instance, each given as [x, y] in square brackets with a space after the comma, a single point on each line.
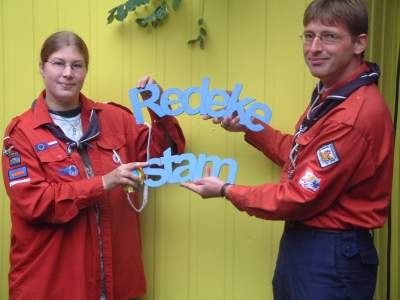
[92, 132]
[317, 111]
[366, 78]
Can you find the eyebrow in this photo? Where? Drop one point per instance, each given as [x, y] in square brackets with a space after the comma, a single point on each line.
[74, 61]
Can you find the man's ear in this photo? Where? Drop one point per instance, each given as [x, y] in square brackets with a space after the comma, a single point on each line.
[361, 43]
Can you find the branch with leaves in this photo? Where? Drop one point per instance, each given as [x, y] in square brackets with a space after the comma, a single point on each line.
[201, 36]
[159, 14]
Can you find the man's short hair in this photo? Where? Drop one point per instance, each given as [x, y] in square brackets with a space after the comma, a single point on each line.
[351, 13]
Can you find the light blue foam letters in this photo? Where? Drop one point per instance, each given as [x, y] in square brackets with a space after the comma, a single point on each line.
[150, 103]
[191, 170]
[215, 103]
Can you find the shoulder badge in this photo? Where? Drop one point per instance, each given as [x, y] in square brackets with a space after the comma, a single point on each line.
[310, 181]
[327, 155]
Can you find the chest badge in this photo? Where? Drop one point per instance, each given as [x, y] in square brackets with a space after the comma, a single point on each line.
[327, 155]
[18, 173]
[15, 160]
[71, 170]
[44, 146]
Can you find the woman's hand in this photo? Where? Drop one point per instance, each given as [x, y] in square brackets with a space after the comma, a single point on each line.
[123, 175]
[141, 83]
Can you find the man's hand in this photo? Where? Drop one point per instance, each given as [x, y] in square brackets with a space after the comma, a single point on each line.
[229, 123]
[207, 187]
[123, 175]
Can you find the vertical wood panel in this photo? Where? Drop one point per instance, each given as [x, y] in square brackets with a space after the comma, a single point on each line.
[4, 202]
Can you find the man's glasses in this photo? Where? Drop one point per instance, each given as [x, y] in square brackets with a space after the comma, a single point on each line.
[77, 67]
[326, 37]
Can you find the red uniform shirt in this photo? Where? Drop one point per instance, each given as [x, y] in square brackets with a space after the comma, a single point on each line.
[343, 172]
[54, 238]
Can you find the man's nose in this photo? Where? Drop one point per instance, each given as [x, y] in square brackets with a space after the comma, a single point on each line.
[316, 44]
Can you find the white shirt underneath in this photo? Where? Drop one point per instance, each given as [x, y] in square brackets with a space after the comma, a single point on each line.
[72, 127]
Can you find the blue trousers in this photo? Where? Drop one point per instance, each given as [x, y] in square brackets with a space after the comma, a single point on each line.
[325, 265]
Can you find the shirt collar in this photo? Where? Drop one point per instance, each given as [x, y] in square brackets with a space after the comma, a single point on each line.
[326, 92]
[41, 114]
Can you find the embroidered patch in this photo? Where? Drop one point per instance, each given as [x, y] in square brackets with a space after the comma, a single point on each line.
[71, 170]
[309, 181]
[44, 146]
[327, 155]
[8, 145]
[15, 160]
[17, 173]
[14, 182]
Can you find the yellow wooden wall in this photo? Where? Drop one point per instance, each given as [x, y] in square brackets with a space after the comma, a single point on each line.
[384, 49]
[193, 248]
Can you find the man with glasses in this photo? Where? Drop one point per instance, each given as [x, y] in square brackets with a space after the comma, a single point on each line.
[336, 168]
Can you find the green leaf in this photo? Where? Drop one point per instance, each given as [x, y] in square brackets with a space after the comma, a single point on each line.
[121, 13]
[131, 5]
[192, 42]
[201, 41]
[141, 22]
[203, 31]
[112, 10]
[176, 4]
[200, 21]
[110, 17]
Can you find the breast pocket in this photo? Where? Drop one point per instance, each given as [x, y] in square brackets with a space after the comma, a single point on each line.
[110, 151]
[58, 165]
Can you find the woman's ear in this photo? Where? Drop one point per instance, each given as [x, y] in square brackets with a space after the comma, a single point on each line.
[360, 44]
[41, 66]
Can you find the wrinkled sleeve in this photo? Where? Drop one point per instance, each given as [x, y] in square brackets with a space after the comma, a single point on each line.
[314, 187]
[275, 145]
[35, 198]
[165, 132]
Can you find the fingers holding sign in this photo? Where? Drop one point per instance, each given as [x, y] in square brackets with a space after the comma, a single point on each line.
[206, 187]
[123, 175]
[141, 84]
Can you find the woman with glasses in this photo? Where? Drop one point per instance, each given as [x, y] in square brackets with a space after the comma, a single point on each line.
[67, 162]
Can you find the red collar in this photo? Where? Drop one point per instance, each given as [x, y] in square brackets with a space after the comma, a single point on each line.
[41, 114]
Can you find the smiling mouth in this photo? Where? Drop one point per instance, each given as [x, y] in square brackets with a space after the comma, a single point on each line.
[67, 85]
[317, 61]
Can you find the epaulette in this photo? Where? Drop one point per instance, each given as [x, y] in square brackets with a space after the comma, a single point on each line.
[121, 106]
[8, 145]
[11, 126]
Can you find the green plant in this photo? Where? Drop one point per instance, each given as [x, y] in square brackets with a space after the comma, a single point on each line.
[201, 37]
[159, 14]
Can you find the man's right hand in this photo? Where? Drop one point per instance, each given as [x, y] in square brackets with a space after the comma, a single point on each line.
[229, 123]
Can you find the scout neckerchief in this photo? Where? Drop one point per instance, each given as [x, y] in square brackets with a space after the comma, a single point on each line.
[318, 110]
[91, 133]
